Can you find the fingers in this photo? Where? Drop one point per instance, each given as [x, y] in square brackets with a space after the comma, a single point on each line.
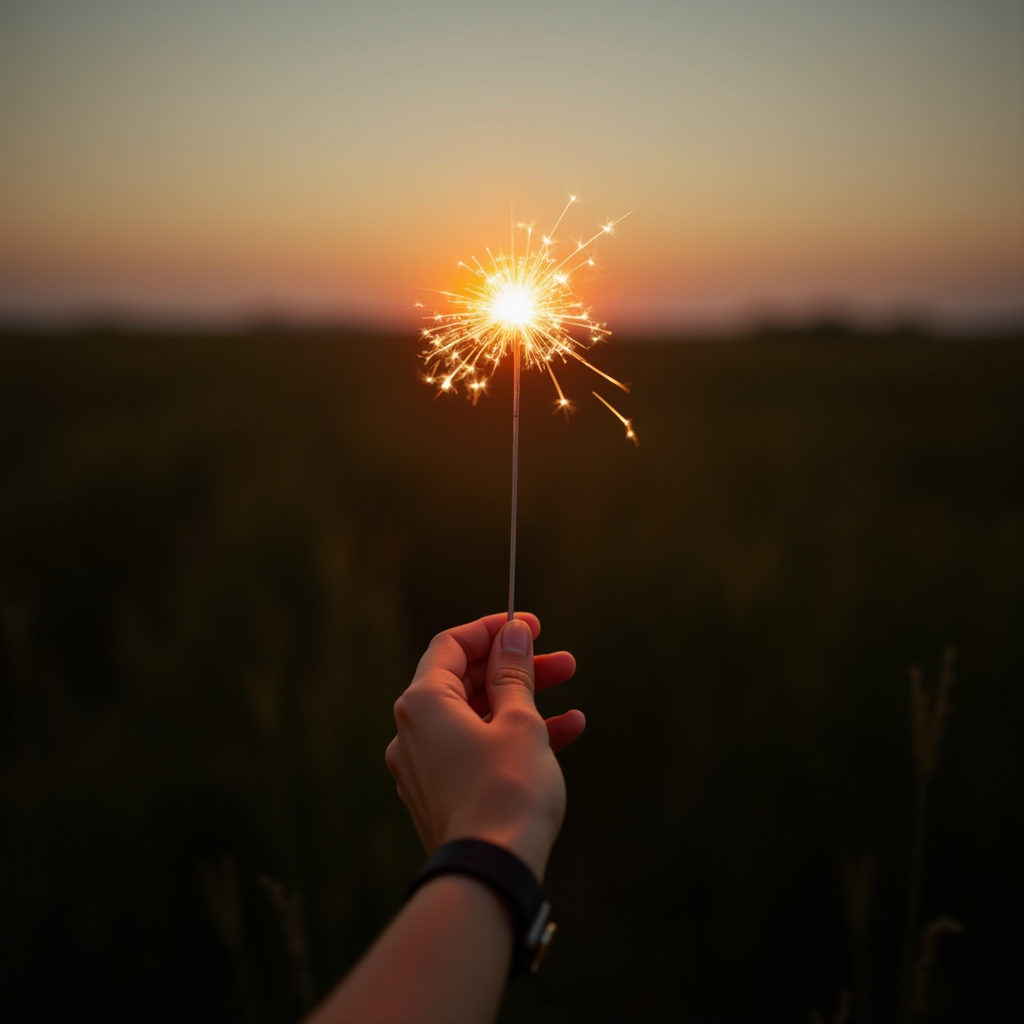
[509, 681]
[455, 649]
[564, 729]
[548, 670]
[551, 669]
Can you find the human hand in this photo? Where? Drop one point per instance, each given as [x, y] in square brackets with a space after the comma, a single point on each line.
[473, 757]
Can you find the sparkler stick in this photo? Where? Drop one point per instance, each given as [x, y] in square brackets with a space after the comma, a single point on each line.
[524, 306]
[515, 480]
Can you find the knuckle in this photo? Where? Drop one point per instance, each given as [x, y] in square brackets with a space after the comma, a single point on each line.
[411, 705]
[514, 675]
[439, 638]
[402, 711]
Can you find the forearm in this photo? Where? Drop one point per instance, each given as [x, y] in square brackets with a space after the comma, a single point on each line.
[445, 959]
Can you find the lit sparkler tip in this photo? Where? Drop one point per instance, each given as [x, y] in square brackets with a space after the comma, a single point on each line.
[520, 302]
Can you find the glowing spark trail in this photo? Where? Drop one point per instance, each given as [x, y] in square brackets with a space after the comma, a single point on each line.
[523, 305]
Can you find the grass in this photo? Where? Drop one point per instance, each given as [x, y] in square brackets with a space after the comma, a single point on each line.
[221, 557]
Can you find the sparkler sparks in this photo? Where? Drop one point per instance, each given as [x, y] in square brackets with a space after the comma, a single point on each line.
[523, 305]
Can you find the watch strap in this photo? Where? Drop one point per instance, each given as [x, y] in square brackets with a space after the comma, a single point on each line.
[511, 879]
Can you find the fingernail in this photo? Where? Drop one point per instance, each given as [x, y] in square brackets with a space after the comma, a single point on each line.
[516, 636]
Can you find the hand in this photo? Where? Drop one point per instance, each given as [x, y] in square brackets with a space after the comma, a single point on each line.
[473, 757]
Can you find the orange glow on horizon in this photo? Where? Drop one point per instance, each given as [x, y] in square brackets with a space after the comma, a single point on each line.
[192, 159]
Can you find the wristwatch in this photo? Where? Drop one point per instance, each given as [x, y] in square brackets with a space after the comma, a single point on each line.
[511, 879]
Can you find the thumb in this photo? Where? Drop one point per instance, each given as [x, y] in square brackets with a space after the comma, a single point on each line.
[509, 678]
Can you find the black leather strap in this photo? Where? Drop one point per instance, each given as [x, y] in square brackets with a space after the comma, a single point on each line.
[507, 875]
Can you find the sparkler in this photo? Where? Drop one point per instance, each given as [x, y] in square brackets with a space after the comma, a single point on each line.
[524, 306]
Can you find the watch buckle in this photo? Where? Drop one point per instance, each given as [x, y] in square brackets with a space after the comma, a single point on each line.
[539, 937]
[542, 946]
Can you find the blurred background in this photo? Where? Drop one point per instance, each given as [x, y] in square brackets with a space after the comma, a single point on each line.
[232, 516]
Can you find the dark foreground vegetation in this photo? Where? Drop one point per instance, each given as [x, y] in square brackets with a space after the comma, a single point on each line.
[220, 558]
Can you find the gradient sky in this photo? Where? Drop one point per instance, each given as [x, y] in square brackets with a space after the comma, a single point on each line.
[216, 158]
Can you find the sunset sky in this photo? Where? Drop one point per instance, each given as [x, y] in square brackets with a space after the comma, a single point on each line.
[231, 159]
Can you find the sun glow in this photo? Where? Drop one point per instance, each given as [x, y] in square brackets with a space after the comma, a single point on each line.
[518, 303]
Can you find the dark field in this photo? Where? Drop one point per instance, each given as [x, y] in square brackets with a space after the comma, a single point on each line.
[220, 559]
